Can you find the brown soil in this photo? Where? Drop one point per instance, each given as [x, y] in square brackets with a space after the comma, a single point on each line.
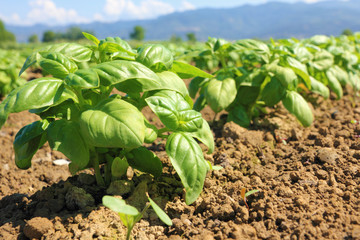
[309, 186]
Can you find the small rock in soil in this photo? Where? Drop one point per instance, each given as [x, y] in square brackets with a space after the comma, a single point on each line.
[138, 198]
[174, 237]
[285, 192]
[324, 142]
[120, 187]
[61, 162]
[77, 198]
[36, 227]
[316, 220]
[332, 180]
[268, 137]
[244, 232]
[86, 179]
[296, 134]
[223, 212]
[356, 232]
[327, 155]
[55, 205]
[261, 230]
[321, 174]
[343, 133]
[301, 201]
[295, 176]
[234, 131]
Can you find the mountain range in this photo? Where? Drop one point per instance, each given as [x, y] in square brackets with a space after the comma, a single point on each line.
[273, 19]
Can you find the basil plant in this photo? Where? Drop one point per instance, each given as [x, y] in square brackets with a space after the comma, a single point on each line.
[83, 119]
[264, 78]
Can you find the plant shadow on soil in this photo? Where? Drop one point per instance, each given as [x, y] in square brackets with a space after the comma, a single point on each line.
[68, 202]
[309, 185]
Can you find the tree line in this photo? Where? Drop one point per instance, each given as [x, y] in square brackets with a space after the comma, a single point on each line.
[75, 33]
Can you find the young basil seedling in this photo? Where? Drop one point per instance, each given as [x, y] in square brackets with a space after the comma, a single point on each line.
[130, 215]
[245, 194]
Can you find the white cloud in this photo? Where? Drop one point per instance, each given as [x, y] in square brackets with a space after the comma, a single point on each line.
[127, 9]
[99, 17]
[312, 1]
[185, 6]
[12, 19]
[46, 12]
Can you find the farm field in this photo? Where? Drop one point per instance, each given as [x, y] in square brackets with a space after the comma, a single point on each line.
[283, 116]
[309, 188]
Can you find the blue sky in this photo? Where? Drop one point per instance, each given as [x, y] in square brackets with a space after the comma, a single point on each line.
[61, 12]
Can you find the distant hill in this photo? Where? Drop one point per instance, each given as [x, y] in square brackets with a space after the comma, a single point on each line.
[274, 19]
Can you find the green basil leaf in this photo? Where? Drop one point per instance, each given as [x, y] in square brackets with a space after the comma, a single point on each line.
[200, 103]
[3, 115]
[39, 93]
[239, 116]
[57, 64]
[204, 135]
[354, 80]
[188, 99]
[195, 84]
[221, 45]
[4, 79]
[185, 70]
[251, 192]
[189, 121]
[166, 81]
[119, 205]
[171, 81]
[119, 167]
[220, 94]
[174, 115]
[151, 132]
[32, 59]
[293, 62]
[113, 123]
[273, 92]
[182, 103]
[253, 79]
[286, 76]
[155, 56]
[161, 214]
[300, 70]
[319, 88]
[27, 141]
[112, 45]
[258, 47]
[340, 74]
[91, 38]
[118, 71]
[144, 160]
[83, 78]
[165, 109]
[319, 40]
[297, 106]
[73, 51]
[334, 84]
[247, 95]
[65, 110]
[322, 60]
[302, 54]
[65, 136]
[91, 96]
[187, 158]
